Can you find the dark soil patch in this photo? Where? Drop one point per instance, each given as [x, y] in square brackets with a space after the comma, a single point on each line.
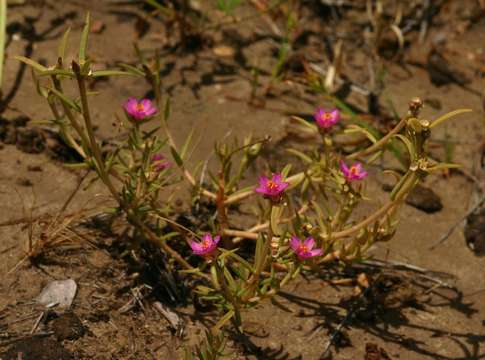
[67, 327]
[37, 348]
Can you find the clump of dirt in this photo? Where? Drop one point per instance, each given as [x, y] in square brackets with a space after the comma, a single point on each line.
[67, 327]
[35, 140]
[475, 231]
[387, 293]
[37, 349]
[422, 198]
[374, 352]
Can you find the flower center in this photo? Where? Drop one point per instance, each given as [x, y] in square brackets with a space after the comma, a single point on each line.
[303, 249]
[354, 170]
[205, 244]
[140, 107]
[327, 117]
[272, 185]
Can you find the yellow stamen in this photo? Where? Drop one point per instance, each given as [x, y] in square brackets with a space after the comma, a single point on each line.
[205, 244]
[272, 185]
[303, 249]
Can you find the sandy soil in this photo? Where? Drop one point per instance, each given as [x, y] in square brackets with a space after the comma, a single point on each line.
[407, 316]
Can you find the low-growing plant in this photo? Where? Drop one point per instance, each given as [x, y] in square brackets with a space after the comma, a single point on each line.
[304, 220]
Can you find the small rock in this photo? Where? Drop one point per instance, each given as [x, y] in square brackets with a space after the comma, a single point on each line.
[60, 292]
[441, 71]
[424, 199]
[224, 51]
[475, 232]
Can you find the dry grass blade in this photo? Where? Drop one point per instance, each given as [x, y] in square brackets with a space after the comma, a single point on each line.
[50, 232]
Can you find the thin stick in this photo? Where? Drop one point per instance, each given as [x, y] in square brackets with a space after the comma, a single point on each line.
[400, 265]
[455, 225]
[345, 320]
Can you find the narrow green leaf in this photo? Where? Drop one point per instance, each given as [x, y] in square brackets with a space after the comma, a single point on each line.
[42, 91]
[166, 113]
[275, 218]
[215, 278]
[61, 72]
[301, 155]
[286, 170]
[399, 185]
[183, 152]
[355, 128]
[70, 103]
[84, 40]
[61, 52]
[307, 125]
[134, 70]
[324, 226]
[163, 9]
[239, 259]
[443, 166]
[230, 280]
[222, 321]
[102, 73]
[409, 146]
[258, 253]
[448, 116]
[176, 157]
[31, 62]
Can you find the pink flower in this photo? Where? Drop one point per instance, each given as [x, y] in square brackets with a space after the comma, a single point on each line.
[326, 119]
[305, 249]
[139, 110]
[355, 172]
[160, 163]
[272, 188]
[206, 246]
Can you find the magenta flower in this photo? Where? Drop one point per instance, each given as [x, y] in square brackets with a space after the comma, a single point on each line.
[206, 246]
[139, 110]
[160, 163]
[355, 172]
[326, 119]
[305, 249]
[272, 188]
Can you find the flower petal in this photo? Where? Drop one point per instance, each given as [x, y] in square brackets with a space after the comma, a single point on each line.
[309, 243]
[207, 238]
[345, 169]
[146, 103]
[197, 248]
[277, 178]
[260, 189]
[263, 180]
[295, 243]
[335, 115]
[315, 252]
[130, 105]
